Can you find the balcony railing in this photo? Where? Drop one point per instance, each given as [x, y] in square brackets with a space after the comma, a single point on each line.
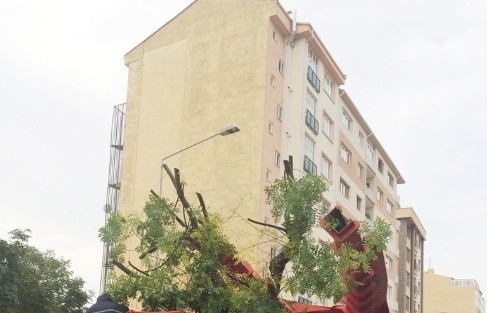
[309, 167]
[313, 79]
[312, 123]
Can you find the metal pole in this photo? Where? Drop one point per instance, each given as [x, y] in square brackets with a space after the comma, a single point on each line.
[224, 132]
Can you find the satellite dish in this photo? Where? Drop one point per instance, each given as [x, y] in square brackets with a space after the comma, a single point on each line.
[107, 208]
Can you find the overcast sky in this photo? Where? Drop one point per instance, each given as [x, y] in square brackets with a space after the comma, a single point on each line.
[416, 70]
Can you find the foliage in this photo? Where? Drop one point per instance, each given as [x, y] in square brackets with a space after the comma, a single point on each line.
[189, 271]
[35, 281]
[318, 269]
[295, 202]
[183, 254]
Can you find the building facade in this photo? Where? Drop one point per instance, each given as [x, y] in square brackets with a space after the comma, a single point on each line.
[444, 294]
[250, 63]
[411, 260]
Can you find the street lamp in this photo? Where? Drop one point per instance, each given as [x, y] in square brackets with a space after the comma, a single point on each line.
[224, 132]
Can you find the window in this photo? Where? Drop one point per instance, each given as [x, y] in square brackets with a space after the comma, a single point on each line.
[312, 60]
[344, 188]
[313, 79]
[388, 262]
[274, 35]
[273, 81]
[281, 67]
[328, 87]
[407, 303]
[310, 102]
[268, 175]
[325, 167]
[346, 155]
[304, 300]
[380, 194]
[408, 254]
[389, 291]
[370, 153]
[361, 139]
[279, 112]
[270, 127]
[390, 207]
[325, 206]
[360, 170]
[380, 165]
[277, 159]
[327, 126]
[346, 120]
[309, 147]
[309, 150]
[310, 120]
[391, 179]
[359, 204]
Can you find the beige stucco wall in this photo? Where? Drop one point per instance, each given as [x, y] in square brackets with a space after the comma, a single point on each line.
[440, 296]
[196, 75]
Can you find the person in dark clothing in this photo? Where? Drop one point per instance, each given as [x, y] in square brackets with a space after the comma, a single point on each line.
[105, 304]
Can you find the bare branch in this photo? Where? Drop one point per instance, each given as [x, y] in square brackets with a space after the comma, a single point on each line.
[180, 189]
[176, 181]
[269, 225]
[180, 221]
[276, 267]
[149, 251]
[138, 270]
[236, 279]
[288, 168]
[122, 267]
[202, 204]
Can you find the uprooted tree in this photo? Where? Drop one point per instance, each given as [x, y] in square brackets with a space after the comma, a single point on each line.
[183, 253]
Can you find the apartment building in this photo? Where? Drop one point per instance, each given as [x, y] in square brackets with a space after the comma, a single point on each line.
[411, 260]
[443, 294]
[249, 63]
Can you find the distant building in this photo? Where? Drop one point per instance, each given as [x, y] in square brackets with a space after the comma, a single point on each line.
[444, 294]
[411, 256]
[250, 63]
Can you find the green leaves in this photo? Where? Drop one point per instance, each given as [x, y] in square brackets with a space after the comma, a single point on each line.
[182, 258]
[35, 281]
[318, 269]
[296, 202]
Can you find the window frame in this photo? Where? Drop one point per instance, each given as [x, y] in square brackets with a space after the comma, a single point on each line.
[380, 195]
[360, 170]
[347, 119]
[345, 154]
[389, 207]
[277, 159]
[279, 112]
[344, 188]
[327, 127]
[281, 67]
[325, 161]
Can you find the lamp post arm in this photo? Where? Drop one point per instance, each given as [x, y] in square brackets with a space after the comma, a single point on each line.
[177, 152]
[197, 143]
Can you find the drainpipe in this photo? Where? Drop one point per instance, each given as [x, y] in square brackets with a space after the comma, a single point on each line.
[293, 29]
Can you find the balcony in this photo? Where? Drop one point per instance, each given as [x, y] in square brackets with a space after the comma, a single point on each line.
[312, 123]
[309, 167]
[313, 79]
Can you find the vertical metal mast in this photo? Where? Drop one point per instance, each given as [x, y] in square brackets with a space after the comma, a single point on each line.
[114, 180]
